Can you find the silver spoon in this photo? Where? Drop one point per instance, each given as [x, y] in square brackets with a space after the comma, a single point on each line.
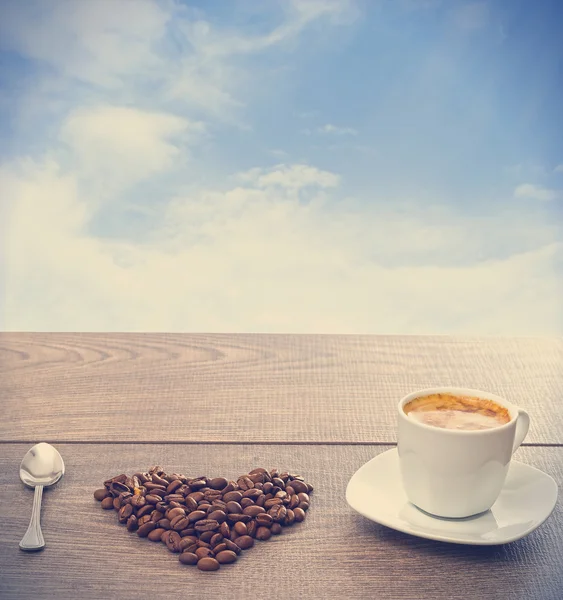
[41, 467]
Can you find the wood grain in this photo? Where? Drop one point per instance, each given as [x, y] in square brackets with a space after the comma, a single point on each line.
[240, 387]
[334, 554]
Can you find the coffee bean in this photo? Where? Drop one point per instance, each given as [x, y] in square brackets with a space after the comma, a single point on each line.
[201, 517]
[160, 480]
[188, 539]
[256, 478]
[231, 487]
[156, 515]
[244, 542]
[116, 487]
[219, 505]
[278, 513]
[138, 501]
[230, 545]
[239, 517]
[207, 564]
[173, 486]
[188, 558]
[197, 515]
[125, 497]
[272, 502]
[132, 523]
[179, 523]
[197, 496]
[253, 494]
[246, 502]
[107, 503]
[234, 507]
[144, 519]
[251, 528]
[245, 483]
[263, 533]
[253, 511]
[197, 483]
[101, 494]
[154, 486]
[240, 528]
[206, 536]
[145, 529]
[218, 483]
[218, 515]
[210, 495]
[174, 512]
[226, 556]
[172, 540]
[299, 487]
[264, 519]
[191, 504]
[258, 470]
[206, 525]
[124, 513]
[145, 510]
[177, 498]
[191, 548]
[204, 552]
[234, 496]
[155, 534]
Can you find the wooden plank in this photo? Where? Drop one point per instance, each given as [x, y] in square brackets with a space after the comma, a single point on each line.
[334, 554]
[240, 387]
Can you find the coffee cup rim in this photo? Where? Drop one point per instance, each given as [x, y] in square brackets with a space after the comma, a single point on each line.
[513, 410]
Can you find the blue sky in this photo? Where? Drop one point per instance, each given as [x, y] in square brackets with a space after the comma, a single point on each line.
[347, 166]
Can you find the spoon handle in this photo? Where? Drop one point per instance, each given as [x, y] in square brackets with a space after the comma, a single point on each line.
[33, 538]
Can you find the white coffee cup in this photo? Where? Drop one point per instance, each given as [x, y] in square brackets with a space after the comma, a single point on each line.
[457, 473]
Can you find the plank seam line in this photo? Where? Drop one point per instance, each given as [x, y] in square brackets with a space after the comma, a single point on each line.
[232, 443]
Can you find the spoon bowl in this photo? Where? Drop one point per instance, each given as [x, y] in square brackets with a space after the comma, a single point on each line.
[41, 467]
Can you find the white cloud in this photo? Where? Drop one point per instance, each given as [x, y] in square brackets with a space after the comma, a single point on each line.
[259, 258]
[290, 176]
[139, 48]
[334, 129]
[98, 42]
[282, 249]
[558, 169]
[123, 145]
[536, 192]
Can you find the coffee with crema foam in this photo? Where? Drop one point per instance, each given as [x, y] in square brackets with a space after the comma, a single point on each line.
[450, 411]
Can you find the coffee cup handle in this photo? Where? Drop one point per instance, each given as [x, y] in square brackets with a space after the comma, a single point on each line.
[522, 426]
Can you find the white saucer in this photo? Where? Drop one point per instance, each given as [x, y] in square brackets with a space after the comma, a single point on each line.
[525, 502]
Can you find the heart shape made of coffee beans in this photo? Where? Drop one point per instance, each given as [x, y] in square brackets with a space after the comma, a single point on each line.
[206, 521]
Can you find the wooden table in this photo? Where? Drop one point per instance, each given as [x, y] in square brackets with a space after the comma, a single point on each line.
[224, 404]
